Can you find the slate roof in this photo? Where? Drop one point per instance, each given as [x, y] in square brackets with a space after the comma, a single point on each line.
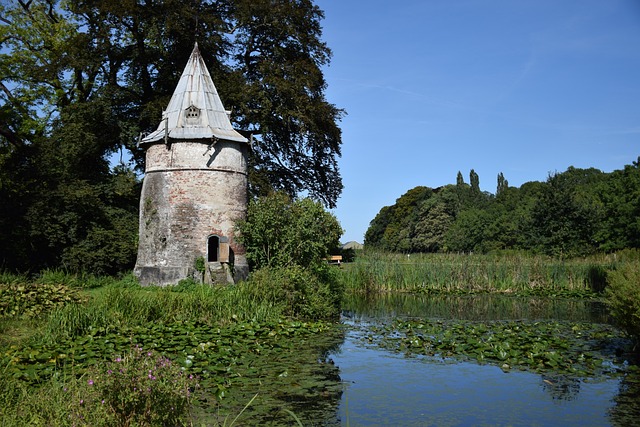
[195, 110]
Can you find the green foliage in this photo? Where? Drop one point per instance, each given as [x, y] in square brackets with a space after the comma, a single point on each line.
[435, 216]
[574, 213]
[25, 300]
[391, 228]
[279, 359]
[508, 273]
[544, 347]
[620, 197]
[280, 232]
[200, 265]
[623, 297]
[128, 305]
[139, 388]
[287, 242]
[566, 213]
[302, 293]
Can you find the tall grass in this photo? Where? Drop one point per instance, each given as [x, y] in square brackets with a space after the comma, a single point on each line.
[118, 306]
[457, 273]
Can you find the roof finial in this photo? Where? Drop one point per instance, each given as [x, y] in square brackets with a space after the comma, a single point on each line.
[197, 26]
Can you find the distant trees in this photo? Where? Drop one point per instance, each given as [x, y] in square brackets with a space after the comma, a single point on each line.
[575, 212]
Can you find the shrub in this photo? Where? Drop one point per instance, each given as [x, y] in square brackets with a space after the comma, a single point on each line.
[623, 297]
[139, 389]
[25, 300]
[303, 293]
[280, 232]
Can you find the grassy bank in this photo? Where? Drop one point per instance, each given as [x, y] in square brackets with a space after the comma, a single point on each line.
[468, 274]
[60, 332]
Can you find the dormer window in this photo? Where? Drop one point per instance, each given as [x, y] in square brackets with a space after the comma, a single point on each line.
[192, 115]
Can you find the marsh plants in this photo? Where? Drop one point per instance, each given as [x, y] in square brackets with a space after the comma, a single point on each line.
[207, 352]
[139, 388]
[507, 273]
[121, 355]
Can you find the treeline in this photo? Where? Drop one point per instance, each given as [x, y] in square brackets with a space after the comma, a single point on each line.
[573, 213]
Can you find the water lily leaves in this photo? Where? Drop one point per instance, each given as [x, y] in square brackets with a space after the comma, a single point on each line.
[569, 348]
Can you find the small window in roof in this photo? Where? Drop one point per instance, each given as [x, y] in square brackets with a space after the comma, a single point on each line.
[192, 114]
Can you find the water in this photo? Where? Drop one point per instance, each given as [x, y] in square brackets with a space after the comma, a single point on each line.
[382, 388]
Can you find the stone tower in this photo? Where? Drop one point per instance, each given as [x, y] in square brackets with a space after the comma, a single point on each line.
[195, 188]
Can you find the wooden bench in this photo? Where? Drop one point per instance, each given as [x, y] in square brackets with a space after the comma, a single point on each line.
[334, 259]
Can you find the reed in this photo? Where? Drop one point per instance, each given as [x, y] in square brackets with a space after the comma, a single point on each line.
[470, 273]
[115, 306]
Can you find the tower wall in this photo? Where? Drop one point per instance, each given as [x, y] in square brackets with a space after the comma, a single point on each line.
[191, 191]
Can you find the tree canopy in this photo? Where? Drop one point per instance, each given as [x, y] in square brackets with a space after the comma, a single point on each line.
[576, 212]
[80, 80]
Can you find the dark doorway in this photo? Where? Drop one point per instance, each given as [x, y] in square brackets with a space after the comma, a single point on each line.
[213, 248]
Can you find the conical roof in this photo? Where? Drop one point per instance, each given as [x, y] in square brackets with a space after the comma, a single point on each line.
[195, 110]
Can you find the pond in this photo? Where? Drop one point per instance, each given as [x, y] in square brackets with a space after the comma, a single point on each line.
[383, 385]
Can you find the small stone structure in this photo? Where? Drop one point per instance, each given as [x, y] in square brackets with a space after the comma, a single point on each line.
[194, 190]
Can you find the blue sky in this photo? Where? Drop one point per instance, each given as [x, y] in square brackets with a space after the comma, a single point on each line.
[522, 87]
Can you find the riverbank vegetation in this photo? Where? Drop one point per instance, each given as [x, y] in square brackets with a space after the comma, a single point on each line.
[223, 337]
[508, 273]
[67, 332]
[613, 278]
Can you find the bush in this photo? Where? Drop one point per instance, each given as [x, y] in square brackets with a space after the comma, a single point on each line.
[25, 300]
[281, 232]
[139, 389]
[301, 292]
[623, 297]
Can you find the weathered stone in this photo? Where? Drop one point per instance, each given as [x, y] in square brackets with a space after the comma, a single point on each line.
[194, 192]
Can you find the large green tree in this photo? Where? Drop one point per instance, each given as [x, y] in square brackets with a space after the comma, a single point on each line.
[79, 80]
[620, 196]
[567, 212]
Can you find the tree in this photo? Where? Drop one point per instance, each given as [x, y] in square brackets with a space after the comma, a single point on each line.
[565, 216]
[80, 79]
[503, 184]
[392, 228]
[279, 54]
[435, 216]
[282, 232]
[475, 183]
[287, 242]
[467, 233]
[374, 235]
[620, 197]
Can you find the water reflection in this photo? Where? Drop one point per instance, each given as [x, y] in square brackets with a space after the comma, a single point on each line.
[626, 411]
[386, 388]
[383, 388]
[473, 307]
[561, 387]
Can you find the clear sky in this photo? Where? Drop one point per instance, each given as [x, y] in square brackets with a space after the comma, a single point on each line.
[522, 87]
